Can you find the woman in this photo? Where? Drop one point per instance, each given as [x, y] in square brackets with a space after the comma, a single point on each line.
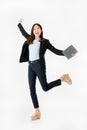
[33, 51]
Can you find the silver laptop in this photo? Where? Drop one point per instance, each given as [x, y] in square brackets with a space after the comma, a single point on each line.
[69, 51]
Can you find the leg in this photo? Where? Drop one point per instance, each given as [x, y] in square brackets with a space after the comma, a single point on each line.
[32, 81]
[47, 86]
[42, 78]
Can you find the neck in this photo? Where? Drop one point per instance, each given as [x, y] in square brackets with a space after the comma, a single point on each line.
[37, 38]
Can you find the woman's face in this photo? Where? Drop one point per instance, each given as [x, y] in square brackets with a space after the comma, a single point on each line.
[37, 31]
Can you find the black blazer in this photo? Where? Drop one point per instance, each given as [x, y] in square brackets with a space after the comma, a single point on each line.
[45, 44]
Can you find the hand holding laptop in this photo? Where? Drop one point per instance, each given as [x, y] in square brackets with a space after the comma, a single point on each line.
[73, 54]
[70, 52]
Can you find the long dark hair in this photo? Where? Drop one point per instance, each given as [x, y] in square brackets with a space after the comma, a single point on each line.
[32, 36]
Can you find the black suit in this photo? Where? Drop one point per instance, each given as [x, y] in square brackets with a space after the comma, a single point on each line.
[37, 69]
[45, 44]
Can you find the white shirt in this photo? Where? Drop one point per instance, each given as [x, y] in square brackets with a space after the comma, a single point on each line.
[34, 50]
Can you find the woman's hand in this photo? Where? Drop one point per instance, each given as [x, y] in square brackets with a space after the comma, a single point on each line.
[73, 54]
[20, 20]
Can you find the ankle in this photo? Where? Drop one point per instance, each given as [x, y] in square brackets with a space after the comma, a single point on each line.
[62, 77]
[37, 110]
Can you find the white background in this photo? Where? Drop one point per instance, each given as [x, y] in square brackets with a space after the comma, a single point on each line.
[64, 23]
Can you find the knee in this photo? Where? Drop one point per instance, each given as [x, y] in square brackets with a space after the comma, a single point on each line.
[45, 89]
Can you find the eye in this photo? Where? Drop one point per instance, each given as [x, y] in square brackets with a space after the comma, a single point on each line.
[34, 29]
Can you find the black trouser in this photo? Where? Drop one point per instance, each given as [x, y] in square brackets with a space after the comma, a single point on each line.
[35, 70]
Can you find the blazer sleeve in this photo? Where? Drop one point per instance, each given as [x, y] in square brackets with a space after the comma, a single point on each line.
[22, 30]
[54, 50]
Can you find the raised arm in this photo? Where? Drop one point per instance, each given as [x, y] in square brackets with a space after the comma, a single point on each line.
[54, 50]
[22, 30]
